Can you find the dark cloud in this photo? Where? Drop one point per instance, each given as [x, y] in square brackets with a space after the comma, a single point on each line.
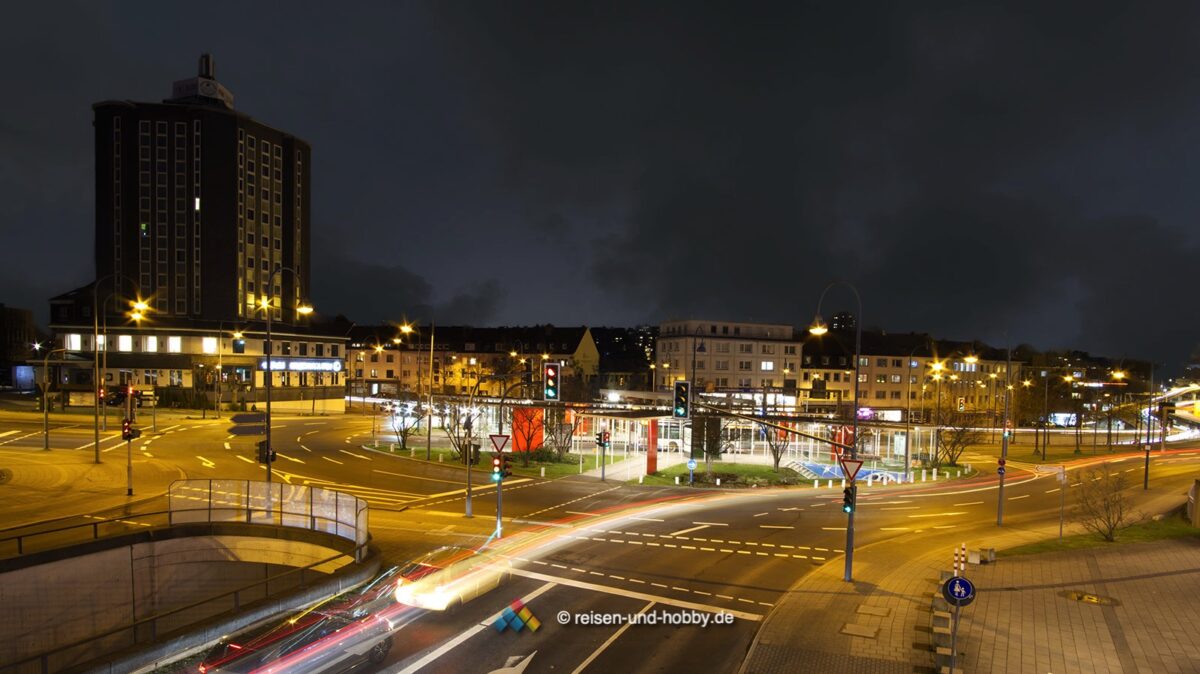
[1016, 171]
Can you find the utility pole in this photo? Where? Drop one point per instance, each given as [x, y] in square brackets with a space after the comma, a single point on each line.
[1004, 439]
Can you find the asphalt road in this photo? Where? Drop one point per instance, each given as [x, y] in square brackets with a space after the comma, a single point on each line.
[576, 545]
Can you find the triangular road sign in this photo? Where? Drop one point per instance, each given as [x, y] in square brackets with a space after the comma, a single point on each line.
[850, 468]
[499, 441]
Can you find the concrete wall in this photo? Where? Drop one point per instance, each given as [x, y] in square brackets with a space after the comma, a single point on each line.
[65, 600]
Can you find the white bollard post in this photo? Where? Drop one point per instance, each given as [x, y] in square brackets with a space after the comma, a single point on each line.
[439, 457]
[676, 479]
[922, 474]
[869, 480]
[843, 483]
[935, 474]
[391, 446]
[543, 471]
[640, 478]
[831, 484]
[718, 482]
[816, 484]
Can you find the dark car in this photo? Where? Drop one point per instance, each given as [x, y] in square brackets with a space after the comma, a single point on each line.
[116, 398]
[343, 635]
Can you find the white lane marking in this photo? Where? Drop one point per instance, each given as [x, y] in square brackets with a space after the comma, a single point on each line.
[901, 508]
[940, 514]
[1051, 491]
[315, 423]
[418, 477]
[1014, 498]
[584, 585]
[686, 531]
[761, 514]
[333, 460]
[102, 441]
[285, 456]
[713, 524]
[467, 634]
[205, 462]
[608, 642]
[475, 488]
[244, 459]
[894, 529]
[959, 505]
[844, 528]
[357, 456]
[305, 448]
[647, 519]
[774, 526]
[227, 446]
[8, 433]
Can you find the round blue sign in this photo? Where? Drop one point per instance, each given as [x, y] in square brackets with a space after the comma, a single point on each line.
[691, 464]
[958, 591]
[1000, 470]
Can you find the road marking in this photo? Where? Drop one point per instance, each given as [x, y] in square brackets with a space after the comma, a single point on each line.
[333, 460]
[467, 634]
[761, 514]
[844, 528]
[205, 462]
[314, 423]
[647, 519]
[945, 526]
[894, 529]
[1014, 498]
[285, 456]
[7, 433]
[305, 448]
[244, 459]
[940, 514]
[686, 531]
[712, 524]
[608, 642]
[1051, 491]
[959, 505]
[357, 456]
[902, 508]
[227, 446]
[584, 585]
[417, 477]
[774, 526]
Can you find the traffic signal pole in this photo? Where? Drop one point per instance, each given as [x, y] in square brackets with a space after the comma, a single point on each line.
[128, 441]
[1004, 439]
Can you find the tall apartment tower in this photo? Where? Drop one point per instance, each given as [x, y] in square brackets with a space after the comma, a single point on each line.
[198, 204]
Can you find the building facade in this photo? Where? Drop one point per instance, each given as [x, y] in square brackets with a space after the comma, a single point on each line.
[202, 226]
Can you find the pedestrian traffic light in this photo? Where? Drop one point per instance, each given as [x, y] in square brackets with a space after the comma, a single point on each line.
[606, 439]
[101, 393]
[128, 432]
[683, 400]
[552, 370]
[263, 456]
[497, 468]
[505, 468]
[849, 495]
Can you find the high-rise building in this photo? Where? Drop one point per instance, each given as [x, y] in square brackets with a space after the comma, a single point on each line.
[198, 204]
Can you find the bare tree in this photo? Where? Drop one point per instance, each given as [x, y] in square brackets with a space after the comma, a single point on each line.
[778, 442]
[527, 433]
[458, 424]
[956, 435]
[1101, 504]
[404, 422]
[558, 432]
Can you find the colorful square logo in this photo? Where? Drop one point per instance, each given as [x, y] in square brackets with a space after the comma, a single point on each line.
[516, 616]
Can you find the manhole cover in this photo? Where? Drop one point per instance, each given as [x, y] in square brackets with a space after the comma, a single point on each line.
[5, 475]
[1088, 598]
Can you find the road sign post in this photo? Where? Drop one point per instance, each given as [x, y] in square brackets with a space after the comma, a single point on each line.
[691, 464]
[958, 592]
[498, 442]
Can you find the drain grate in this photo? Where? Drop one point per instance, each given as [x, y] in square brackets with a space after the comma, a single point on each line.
[1088, 598]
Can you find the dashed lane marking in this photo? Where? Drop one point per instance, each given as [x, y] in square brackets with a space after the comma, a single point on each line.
[333, 460]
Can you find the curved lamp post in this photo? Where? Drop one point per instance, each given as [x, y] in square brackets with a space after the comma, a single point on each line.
[141, 307]
[819, 328]
[266, 304]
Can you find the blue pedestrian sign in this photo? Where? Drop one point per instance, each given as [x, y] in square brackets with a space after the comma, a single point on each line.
[691, 464]
[1000, 470]
[958, 591]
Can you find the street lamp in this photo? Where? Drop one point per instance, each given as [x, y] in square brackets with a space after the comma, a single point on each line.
[96, 350]
[819, 328]
[266, 304]
[408, 329]
[46, 394]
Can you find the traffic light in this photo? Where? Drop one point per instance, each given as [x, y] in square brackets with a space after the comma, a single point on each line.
[505, 468]
[849, 494]
[551, 382]
[127, 429]
[606, 439]
[101, 393]
[683, 400]
[497, 468]
[262, 453]
[600, 439]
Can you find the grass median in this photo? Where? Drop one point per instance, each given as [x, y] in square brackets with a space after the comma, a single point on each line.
[1172, 525]
[731, 475]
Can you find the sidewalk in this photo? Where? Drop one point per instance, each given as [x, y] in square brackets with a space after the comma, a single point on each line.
[1018, 623]
[634, 466]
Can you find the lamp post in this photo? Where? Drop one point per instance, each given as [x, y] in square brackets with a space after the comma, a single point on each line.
[819, 328]
[406, 329]
[908, 413]
[96, 350]
[46, 394]
[267, 307]
[695, 334]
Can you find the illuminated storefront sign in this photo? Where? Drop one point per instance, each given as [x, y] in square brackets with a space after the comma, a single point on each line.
[302, 365]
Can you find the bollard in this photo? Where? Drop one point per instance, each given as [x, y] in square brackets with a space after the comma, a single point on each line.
[830, 485]
[439, 458]
[816, 484]
[412, 453]
[869, 480]
[935, 474]
[843, 483]
[922, 474]
[718, 482]
[640, 477]
[958, 473]
[676, 479]
[543, 471]
[391, 446]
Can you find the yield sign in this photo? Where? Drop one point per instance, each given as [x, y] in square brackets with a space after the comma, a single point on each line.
[850, 468]
[499, 441]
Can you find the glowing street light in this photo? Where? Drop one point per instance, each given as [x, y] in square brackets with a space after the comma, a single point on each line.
[818, 326]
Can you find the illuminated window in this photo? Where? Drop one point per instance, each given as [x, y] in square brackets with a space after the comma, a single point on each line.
[151, 345]
[124, 343]
[209, 344]
[74, 342]
[767, 366]
[101, 340]
[174, 345]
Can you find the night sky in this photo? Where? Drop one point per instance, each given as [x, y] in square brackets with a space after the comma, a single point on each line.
[1014, 174]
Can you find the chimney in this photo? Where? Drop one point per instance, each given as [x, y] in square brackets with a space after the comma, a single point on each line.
[208, 69]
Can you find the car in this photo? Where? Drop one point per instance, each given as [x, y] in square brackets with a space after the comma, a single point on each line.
[448, 577]
[342, 635]
[116, 398]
